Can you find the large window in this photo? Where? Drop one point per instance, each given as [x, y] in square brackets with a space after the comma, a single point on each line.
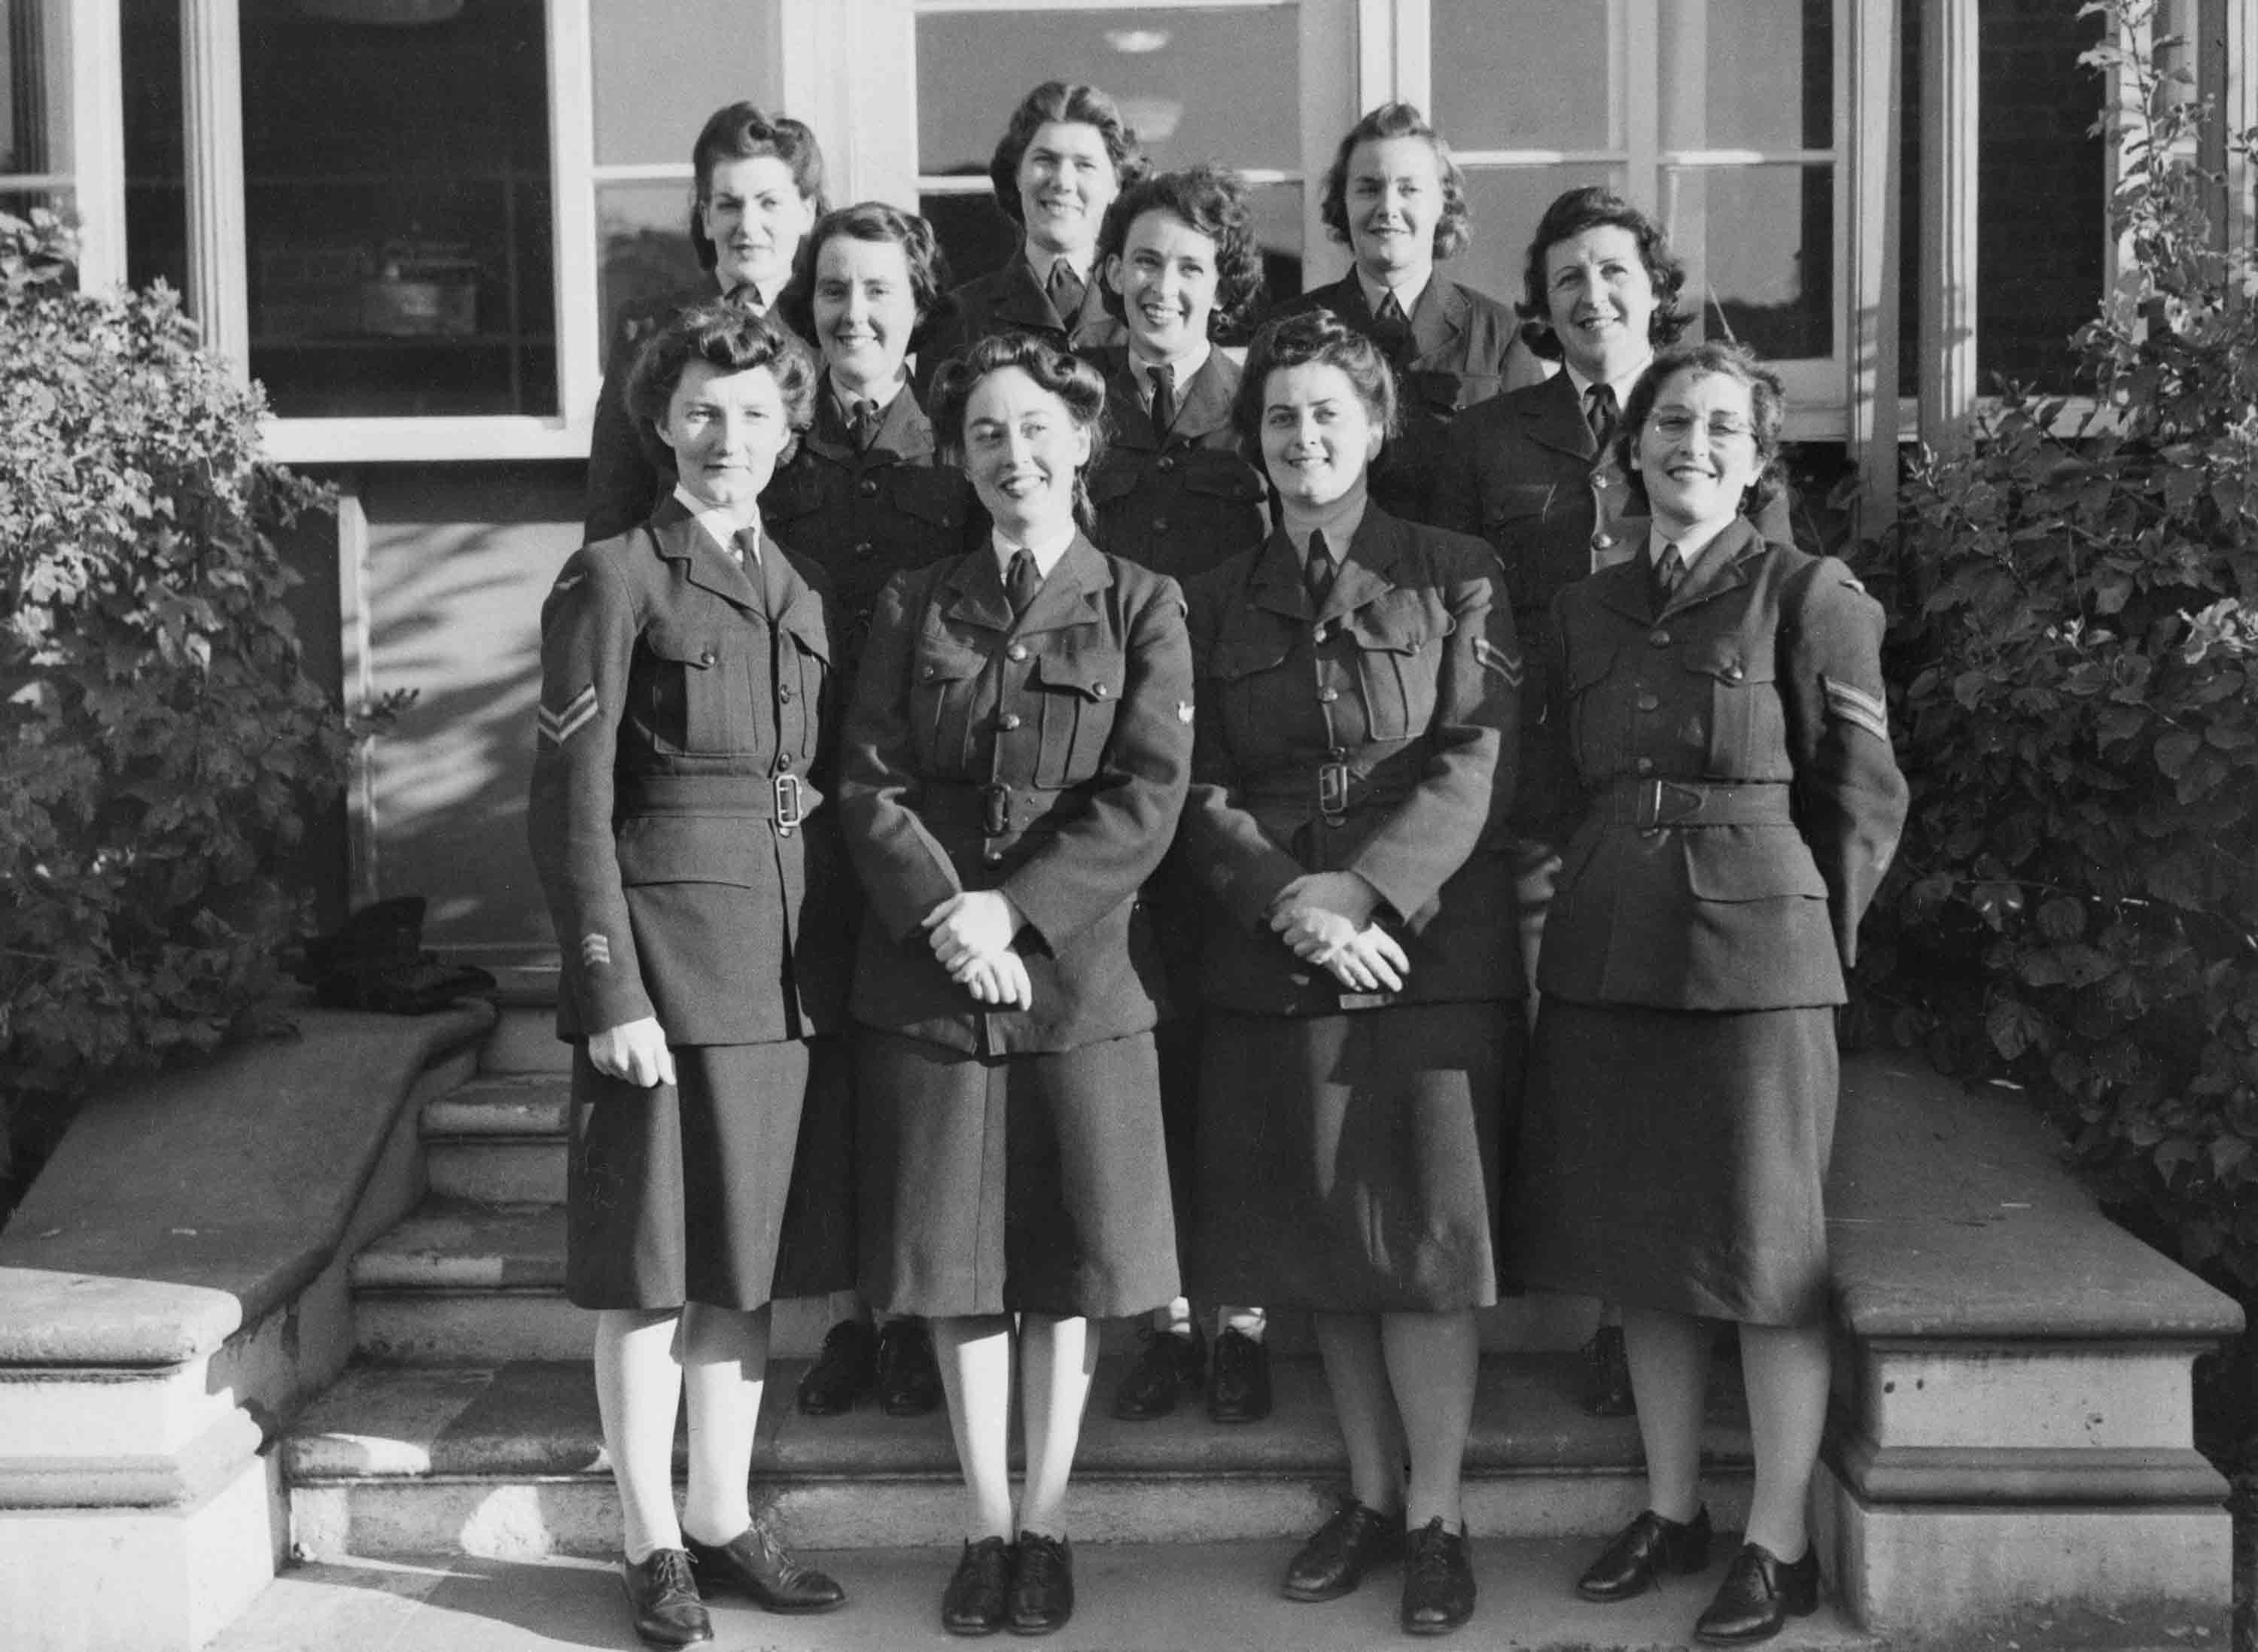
[34, 161]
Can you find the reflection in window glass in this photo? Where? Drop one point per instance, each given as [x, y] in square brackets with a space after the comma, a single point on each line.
[1752, 75]
[644, 232]
[399, 246]
[1759, 247]
[1218, 81]
[1507, 203]
[1521, 74]
[654, 85]
[156, 190]
[31, 82]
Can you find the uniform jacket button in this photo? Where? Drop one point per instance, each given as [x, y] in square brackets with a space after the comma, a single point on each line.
[868, 487]
[932, 672]
[1732, 671]
[1317, 633]
[1008, 720]
[1099, 690]
[1603, 541]
[783, 692]
[1017, 651]
[1659, 639]
[1327, 695]
[1645, 765]
[784, 763]
[864, 548]
[1159, 524]
[992, 855]
[1167, 464]
[706, 658]
[1649, 702]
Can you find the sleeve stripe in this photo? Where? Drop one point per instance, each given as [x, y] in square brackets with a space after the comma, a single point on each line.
[1491, 657]
[1853, 705]
[561, 723]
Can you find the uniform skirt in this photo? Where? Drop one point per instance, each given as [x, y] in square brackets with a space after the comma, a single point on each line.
[1674, 1159]
[676, 1194]
[1029, 1183]
[815, 1254]
[1349, 1163]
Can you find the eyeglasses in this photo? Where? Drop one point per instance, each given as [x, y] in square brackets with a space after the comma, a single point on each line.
[1723, 426]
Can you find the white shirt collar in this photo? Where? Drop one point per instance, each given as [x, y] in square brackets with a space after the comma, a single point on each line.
[1042, 263]
[723, 525]
[1187, 369]
[1047, 554]
[1406, 293]
[848, 398]
[1621, 386]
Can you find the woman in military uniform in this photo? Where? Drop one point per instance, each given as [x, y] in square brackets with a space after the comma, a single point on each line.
[684, 745]
[1359, 683]
[865, 496]
[1014, 765]
[1721, 698]
[759, 186]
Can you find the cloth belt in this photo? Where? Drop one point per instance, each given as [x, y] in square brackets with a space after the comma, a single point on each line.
[1001, 808]
[785, 798]
[1651, 805]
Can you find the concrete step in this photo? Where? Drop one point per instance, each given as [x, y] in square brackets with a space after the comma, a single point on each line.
[507, 1460]
[1128, 1597]
[524, 1041]
[499, 1139]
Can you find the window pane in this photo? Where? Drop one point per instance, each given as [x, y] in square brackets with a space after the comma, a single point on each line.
[1507, 203]
[1521, 74]
[656, 85]
[644, 231]
[32, 85]
[1756, 74]
[1759, 244]
[397, 204]
[156, 194]
[1214, 82]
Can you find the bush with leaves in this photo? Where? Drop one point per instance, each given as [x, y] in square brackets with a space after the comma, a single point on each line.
[162, 749]
[2075, 904]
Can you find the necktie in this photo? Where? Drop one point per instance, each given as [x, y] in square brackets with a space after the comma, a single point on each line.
[1164, 401]
[1022, 581]
[745, 542]
[1065, 289]
[1669, 574]
[1600, 413]
[1391, 328]
[863, 423]
[1318, 569]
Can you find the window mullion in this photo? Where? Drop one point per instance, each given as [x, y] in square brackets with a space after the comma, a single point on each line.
[1949, 67]
[1635, 27]
[211, 77]
[96, 127]
[1870, 264]
[572, 153]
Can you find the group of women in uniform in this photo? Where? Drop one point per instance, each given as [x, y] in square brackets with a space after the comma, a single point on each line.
[1001, 762]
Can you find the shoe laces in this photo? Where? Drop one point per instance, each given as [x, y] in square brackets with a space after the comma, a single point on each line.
[670, 1573]
[1430, 1559]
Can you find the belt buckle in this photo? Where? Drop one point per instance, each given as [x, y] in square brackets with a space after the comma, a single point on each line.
[997, 801]
[788, 814]
[1332, 790]
[1663, 803]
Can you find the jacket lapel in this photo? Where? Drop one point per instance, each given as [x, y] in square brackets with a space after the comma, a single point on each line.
[705, 563]
[1723, 567]
[1204, 407]
[1071, 592]
[1364, 572]
[976, 592]
[1437, 320]
[1275, 586]
[1021, 301]
[1627, 587]
[1554, 419]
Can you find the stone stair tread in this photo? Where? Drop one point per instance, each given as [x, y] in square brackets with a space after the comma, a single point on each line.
[538, 1419]
[1130, 1597]
[502, 1104]
[451, 1244]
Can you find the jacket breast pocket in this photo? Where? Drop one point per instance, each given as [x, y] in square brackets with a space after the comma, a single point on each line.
[1398, 658]
[1598, 727]
[1743, 734]
[1081, 692]
[1116, 475]
[943, 678]
[696, 699]
[935, 495]
[1237, 672]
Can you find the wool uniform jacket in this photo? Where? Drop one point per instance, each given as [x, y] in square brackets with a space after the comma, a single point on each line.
[1456, 357]
[1374, 734]
[1178, 502]
[1522, 471]
[866, 514]
[1010, 300]
[678, 818]
[1741, 799]
[1044, 754]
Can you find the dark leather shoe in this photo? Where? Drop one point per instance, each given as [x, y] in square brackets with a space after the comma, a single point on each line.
[1167, 1365]
[755, 1564]
[663, 1597]
[1609, 1375]
[1761, 1592]
[1239, 1383]
[976, 1597]
[1355, 1539]
[1644, 1550]
[844, 1369]
[1042, 1585]
[909, 1379]
[1438, 1579]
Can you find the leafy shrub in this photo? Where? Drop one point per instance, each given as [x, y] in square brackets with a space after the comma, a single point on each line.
[162, 749]
[2075, 904]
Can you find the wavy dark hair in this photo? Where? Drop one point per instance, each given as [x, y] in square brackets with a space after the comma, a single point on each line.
[1320, 336]
[1454, 229]
[1074, 103]
[728, 336]
[1211, 200]
[873, 221]
[1077, 384]
[1592, 208]
[740, 131]
[1767, 412]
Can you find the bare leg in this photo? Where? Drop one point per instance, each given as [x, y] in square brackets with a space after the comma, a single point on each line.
[1057, 1359]
[1371, 1428]
[638, 1387]
[1433, 1361]
[725, 1357]
[1669, 1359]
[1786, 1370]
[975, 1353]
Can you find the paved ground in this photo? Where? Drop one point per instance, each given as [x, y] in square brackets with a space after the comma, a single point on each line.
[1130, 1599]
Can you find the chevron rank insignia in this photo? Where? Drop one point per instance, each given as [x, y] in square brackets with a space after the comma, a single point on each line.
[568, 720]
[565, 582]
[1491, 657]
[595, 950]
[1853, 705]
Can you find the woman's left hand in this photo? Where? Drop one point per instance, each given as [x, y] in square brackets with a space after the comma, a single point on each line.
[1345, 893]
[972, 925]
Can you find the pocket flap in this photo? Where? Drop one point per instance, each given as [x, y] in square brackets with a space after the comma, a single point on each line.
[1740, 863]
[683, 645]
[942, 658]
[931, 494]
[1727, 661]
[1095, 674]
[1115, 478]
[1399, 623]
[1515, 502]
[803, 622]
[1220, 476]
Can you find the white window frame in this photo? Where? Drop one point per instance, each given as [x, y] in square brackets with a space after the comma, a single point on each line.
[86, 134]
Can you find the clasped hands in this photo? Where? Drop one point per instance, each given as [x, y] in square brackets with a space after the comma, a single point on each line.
[971, 933]
[1326, 918]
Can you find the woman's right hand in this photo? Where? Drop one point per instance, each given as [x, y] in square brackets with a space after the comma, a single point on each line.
[1363, 959]
[634, 1051]
[999, 979]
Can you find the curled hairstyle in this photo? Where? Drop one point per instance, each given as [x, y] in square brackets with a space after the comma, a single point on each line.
[1078, 385]
[1210, 201]
[872, 221]
[1453, 229]
[1594, 207]
[733, 339]
[1767, 415]
[740, 132]
[1316, 336]
[1074, 103]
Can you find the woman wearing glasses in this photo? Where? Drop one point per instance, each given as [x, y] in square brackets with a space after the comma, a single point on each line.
[1721, 698]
